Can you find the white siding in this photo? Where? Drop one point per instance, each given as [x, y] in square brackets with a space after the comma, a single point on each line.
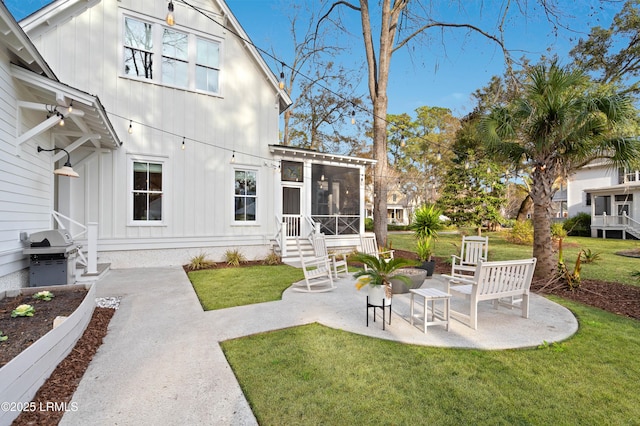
[85, 52]
[587, 178]
[26, 181]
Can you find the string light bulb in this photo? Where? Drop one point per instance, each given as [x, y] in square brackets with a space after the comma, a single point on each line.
[130, 127]
[282, 76]
[466, 165]
[233, 157]
[438, 156]
[182, 143]
[402, 142]
[61, 119]
[353, 117]
[70, 109]
[171, 21]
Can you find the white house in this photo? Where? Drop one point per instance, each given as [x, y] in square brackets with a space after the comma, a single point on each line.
[193, 163]
[607, 195]
[33, 105]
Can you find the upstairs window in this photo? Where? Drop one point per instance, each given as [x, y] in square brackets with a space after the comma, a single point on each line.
[207, 65]
[138, 48]
[168, 56]
[175, 58]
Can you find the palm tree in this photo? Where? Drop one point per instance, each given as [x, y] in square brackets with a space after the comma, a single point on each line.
[561, 122]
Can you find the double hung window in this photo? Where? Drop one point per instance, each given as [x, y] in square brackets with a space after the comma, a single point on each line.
[147, 191]
[187, 60]
[245, 195]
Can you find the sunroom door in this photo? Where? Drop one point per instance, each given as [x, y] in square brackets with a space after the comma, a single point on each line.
[291, 210]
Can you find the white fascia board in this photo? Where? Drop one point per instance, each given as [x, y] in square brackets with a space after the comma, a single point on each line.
[290, 152]
[56, 87]
[24, 48]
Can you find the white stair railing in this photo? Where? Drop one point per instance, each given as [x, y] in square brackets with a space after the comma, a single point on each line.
[91, 261]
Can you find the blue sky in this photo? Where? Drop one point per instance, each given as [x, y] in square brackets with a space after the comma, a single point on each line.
[442, 73]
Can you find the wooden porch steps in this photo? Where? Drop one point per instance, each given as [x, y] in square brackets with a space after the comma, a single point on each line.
[293, 257]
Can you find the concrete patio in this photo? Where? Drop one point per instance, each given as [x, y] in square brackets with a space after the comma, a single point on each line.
[161, 363]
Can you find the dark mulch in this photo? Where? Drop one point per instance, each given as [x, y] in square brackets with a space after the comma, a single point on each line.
[24, 331]
[54, 396]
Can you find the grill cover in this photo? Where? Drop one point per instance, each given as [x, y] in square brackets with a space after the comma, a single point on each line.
[51, 238]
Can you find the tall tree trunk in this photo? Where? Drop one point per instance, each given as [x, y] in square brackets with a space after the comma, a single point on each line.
[541, 194]
[381, 170]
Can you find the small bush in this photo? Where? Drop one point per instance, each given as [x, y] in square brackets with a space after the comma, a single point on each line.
[234, 257]
[589, 257]
[3, 337]
[521, 233]
[368, 224]
[578, 225]
[200, 262]
[272, 259]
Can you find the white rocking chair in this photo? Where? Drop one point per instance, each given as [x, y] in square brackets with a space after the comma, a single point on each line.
[472, 251]
[338, 261]
[318, 276]
[369, 245]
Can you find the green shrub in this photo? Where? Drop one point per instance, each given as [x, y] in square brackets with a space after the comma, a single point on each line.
[426, 221]
[3, 337]
[234, 257]
[578, 225]
[398, 228]
[368, 224]
[200, 262]
[589, 257]
[521, 233]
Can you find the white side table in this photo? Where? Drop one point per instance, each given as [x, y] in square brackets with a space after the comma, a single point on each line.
[431, 295]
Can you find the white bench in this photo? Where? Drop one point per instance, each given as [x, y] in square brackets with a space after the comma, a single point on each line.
[506, 283]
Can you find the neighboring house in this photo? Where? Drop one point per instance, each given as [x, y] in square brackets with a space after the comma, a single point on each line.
[399, 209]
[197, 111]
[607, 195]
[33, 105]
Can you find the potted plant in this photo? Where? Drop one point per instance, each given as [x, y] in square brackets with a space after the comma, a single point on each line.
[425, 225]
[424, 250]
[377, 275]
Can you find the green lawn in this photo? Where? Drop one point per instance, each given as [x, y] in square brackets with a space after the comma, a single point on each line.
[313, 375]
[228, 287]
[610, 267]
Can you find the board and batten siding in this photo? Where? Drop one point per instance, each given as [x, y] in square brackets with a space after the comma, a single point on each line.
[85, 52]
[26, 181]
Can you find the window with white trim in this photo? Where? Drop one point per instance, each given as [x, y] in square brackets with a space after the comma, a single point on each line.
[245, 195]
[147, 191]
[187, 60]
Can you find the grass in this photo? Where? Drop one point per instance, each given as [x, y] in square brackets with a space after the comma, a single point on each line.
[228, 287]
[609, 266]
[316, 375]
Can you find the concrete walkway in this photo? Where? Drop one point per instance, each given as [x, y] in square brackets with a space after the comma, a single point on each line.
[161, 363]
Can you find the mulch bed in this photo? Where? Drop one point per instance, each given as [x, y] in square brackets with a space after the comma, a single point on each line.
[24, 331]
[56, 393]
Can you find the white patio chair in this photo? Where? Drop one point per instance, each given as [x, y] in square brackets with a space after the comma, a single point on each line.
[369, 245]
[338, 261]
[318, 275]
[473, 250]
